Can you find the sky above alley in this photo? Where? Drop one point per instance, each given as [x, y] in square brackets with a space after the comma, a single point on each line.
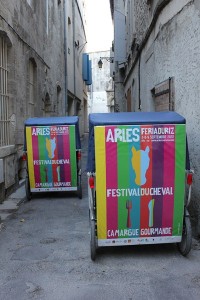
[99, 25]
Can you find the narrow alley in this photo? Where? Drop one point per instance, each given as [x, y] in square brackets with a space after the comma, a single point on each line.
[45, 254]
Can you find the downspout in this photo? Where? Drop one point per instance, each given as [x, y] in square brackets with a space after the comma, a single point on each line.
[73, 11]
[139, 85]
[47, 20]
[170, 104]
[65, 59]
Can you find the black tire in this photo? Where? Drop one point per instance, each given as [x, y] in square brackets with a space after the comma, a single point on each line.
[79, 188]
[27, 188]
[93, 241]
[185, 245]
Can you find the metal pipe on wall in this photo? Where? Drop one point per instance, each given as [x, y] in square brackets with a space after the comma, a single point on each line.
[65, 59]
[74, 53]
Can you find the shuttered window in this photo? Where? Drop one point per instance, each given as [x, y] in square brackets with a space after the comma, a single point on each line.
[163, 94]
[4, 98]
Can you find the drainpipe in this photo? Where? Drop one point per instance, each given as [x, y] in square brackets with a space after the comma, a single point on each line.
[170, 104]
[65, 59]
[73, 11]
[47, 20]
[139, 85]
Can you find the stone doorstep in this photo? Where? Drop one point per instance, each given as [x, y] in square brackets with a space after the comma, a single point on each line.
[11, 204]
[4, 216]
[8, 206]
[19, 193]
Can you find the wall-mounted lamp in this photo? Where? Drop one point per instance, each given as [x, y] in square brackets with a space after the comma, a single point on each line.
[109, 59]
[76, 43]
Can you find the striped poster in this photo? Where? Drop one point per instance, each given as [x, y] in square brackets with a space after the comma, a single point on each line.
[140, 183]
[51, 154]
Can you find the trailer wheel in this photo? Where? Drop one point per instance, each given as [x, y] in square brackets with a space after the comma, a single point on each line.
[93, 241]
[27, 188]
[185, 245]
[79, 188]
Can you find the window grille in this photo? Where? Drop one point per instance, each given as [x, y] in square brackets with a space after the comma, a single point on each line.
[4, 98]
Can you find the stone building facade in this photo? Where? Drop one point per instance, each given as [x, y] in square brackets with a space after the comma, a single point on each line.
[159, 66]
[41, 46]
[101, 92]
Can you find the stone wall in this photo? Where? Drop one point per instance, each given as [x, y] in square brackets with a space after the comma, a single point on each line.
[168, 48]
[34, 31]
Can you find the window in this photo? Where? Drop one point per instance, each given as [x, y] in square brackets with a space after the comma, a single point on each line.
[59, 100]
[47, 105]
[31, 85]
[129, 100]
[163, 94]
[4, 98]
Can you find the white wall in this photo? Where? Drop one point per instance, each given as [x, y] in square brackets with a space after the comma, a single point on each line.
[97, 96]
[98, 103]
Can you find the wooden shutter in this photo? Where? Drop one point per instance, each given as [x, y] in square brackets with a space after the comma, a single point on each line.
[163, 94]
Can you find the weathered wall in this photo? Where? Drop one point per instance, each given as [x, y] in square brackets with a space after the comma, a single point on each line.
[76, 42]
[35, 30]
[172, 51]
[35, 33]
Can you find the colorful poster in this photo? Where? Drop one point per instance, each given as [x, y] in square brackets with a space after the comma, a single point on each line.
[140, 183]
[51, 158]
